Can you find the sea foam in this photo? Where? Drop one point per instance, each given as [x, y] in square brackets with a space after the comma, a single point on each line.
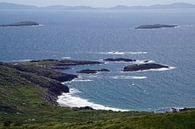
[121, 77]
[73, 101]
[122, 53]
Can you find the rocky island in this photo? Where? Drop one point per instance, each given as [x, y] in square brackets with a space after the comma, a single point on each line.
[89, 71]
[155, 26]
[140, 67]
[21, 23]
[119, 60]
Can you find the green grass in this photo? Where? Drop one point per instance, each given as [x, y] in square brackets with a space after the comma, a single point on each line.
[23, 105]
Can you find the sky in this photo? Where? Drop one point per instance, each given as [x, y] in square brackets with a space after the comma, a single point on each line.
[95, 3]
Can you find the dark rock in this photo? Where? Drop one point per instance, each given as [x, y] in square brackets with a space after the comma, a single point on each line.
[119, 59]
[83, 108]
[78, 62]
[44, 60]
[146, 61]
[22, 23]
[59, 63]
[186, 109]
[88, 71]
[86, 108]
[155, 26]
[65, 77]
[138, 67]
[174, 110]
[60, 68]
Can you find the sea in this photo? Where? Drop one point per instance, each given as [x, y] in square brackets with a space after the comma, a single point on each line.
[99, 34]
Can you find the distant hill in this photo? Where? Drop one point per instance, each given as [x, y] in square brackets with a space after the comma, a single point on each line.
[61, 7]
[119, 7]
[159, 6]
[174, 5]
[15, 6]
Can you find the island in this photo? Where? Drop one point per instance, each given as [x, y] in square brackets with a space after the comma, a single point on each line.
[140, 67]
[155, 26]
[89, 71]
[21, 23]
[119, 60]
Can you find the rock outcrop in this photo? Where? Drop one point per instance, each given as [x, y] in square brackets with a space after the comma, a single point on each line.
[89, 71]
[147, 66]
[119, 60]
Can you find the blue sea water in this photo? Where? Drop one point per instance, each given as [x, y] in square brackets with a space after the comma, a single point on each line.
[94, 35]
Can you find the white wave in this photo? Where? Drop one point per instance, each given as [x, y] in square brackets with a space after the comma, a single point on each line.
[66, 58]
[143, 61]
[72, 101]
[128, 77]
[41, 25]
[23, 60]
[161, 69]
[82, 80]
[77, 80]
[93, 76]
[122, 53]
[158, 70]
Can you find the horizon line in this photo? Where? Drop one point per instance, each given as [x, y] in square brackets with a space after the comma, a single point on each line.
[96, 6]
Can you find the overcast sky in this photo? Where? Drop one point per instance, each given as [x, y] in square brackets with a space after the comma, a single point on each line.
[95, 3]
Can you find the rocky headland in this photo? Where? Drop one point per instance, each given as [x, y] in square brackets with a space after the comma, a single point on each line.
[46, 74]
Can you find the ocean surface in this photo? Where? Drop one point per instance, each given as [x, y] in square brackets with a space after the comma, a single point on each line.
[95, 35]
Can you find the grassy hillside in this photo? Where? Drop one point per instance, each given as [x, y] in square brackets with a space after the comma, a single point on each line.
[26, 103]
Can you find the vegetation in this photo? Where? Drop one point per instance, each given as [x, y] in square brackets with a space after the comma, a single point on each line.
[25, 103]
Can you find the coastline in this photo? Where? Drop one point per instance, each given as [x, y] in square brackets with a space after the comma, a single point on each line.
[68, 98]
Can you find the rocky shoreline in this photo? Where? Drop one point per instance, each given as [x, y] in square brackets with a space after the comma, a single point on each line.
[49, 74]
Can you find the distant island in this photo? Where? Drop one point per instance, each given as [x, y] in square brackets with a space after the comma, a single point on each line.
[21, 23]
[119, 7]
[155, 26]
